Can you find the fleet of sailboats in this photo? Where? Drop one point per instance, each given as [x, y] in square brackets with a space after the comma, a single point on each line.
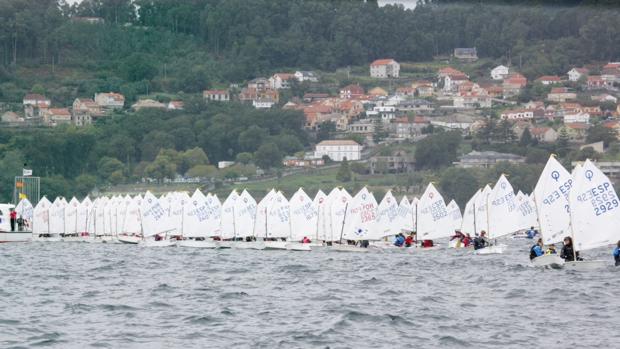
[582, 204]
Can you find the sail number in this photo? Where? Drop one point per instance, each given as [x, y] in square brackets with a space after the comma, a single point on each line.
[602, 197]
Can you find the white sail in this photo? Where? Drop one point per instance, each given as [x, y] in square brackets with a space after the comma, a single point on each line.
[527, 211]
[405, 216]
[482, 214]
[468, 226]
[123, 203]
[25, 210]
[260, 227]
[503, 210]
[433, 219]
[83, 214]
[71, 216]
[551, 195]
[388, 221]
[179, 203]
[214, 216]
[361, 217]
[132, 224]
[338, 208]
[41, 217]
[153, 216]
[304, 216]
[278, 217]
[227, 225]
[57, 217]
[595, 209]
[454, 212]
[195, 215]
[245, 214]
[323, 205]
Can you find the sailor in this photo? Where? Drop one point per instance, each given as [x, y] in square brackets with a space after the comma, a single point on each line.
[481, 241]
[20, 223]
[537, 249]
[531, 233]
[617, 254]
[305, 240]
[409, 240]
[551, 250]
[400, 240]
[364, 243]
[466, 240]
[427, 243]
[13, 216]
[568, 253]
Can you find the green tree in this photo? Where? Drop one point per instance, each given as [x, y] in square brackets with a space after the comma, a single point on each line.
[202, 171]
[161, 168]
[138, 67]
[244, 158]
[562, 145]
[601, 133]
[84, 184]
[526, 138]
[437, 150]
[459, 184]
[268, 155]
[344, 172]
[380, 134]
[193, 157]
[326, 131]
[108, 165]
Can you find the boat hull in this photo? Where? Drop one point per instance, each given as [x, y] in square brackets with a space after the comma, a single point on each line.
[248, 245]
[197, 243]
[275, 245]
[548, 261]
[129, 239]
[348, 248]
[586, 265]
[155, 243]
[14, 236]
[297, 246]
[495, 249]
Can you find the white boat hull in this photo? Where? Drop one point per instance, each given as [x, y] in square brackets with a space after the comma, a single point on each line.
[297, 246]
[348, 248]
[129, 239]
[548, 261]
[248, 245]
[14, 236]
[155, 243]
[72, 239]
[197, 243]
[275, 245]
[495, 249]
[586, 265]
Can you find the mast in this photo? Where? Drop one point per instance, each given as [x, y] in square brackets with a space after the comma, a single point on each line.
[344, 217]
[475, 226]
[266, 222]
[318, 211]
[234, 225]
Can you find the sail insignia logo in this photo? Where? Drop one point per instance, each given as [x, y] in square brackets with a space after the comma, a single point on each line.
[589, 174]
[555, 175]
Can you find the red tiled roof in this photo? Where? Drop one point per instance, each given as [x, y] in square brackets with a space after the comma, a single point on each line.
[549, 78]
[34, 96]
[384, 61]
[59, 111]
[559, 90]
[338, 142]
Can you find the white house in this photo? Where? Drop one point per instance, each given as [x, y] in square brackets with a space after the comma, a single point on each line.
[338, 150]
[216, 95]
[517, 114]
[280, 81]
[263, 103]
[576, 73]
[110, 100]
[576, 117]
[499, 72]
[384, 68]
[302, 76]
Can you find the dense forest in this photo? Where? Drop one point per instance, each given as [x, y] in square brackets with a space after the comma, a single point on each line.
[182, 47]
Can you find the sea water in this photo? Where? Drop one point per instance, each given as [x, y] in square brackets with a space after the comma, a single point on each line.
[77, 295]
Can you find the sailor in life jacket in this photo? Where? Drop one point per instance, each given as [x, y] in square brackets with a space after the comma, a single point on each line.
[616, 254]
[536, 250]
[551, 250]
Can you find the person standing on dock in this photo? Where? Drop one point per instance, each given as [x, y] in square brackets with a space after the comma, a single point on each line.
[13, 216]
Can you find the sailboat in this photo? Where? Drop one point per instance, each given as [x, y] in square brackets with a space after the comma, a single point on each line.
[22, 231]
[57, 218]
[277, 222]
[454, 212]
[323, 225]
[244, 214]
[433, 221]
[195, 215]
[227, 220]
[468, 225]
[260, 232]
[155, 223]
[502, 215]
[389, 220]
[338, 201]
[594, 212]
[304, 221]
[360, 222]
[41, 222]
[131, 228]
[70, 221]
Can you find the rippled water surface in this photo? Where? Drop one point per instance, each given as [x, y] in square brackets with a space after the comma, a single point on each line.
[71, 295]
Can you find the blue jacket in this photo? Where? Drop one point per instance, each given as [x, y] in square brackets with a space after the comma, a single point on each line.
[531, 233]
[536, 251]
[616, 252]
[399, 241]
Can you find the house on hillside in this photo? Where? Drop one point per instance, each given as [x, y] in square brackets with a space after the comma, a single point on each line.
[487, 159]
[451, 79]
[499, 72]
[175, 105]
[549, 80]
[513, 84]
[338, 150]
[577, 73]
[576, 117]
[517, 114]
[57, 116]
[560, 94]
[384, 68]
[281, 81]
[147, 104]
[263, 103]
[35, 105]
[110, 100]
[352, 92]
[309, 76]
[596, 82]
[398, 162]
[544, 134]
[467, 54]
[216, 95]
[12, 119]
